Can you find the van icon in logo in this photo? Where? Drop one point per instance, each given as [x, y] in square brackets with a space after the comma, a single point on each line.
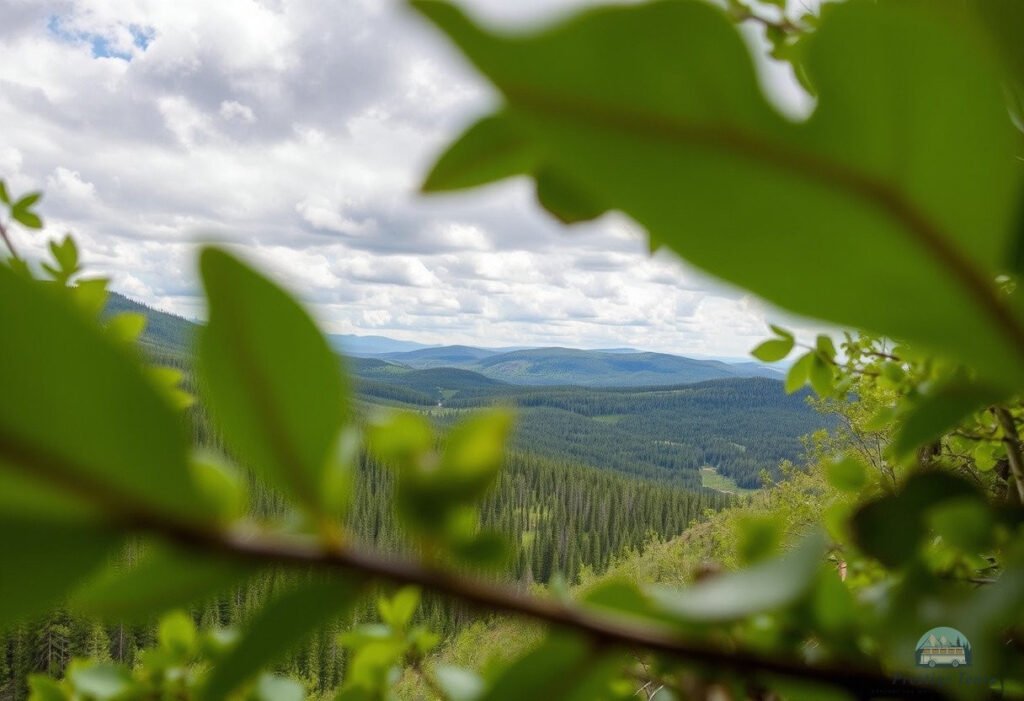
[943, 647]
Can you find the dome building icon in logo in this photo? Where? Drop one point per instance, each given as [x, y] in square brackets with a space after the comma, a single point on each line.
[943, 647]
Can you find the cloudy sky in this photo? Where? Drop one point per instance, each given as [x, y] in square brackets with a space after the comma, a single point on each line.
[298, 132]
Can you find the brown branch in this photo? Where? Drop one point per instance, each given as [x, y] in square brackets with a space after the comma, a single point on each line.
[7, 240]
[1011, 439]
[604, 629]
[123, 510]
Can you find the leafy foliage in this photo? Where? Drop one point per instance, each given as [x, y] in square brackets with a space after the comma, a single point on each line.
[896, 203]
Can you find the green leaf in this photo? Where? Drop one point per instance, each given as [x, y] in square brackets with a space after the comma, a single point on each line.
[177, 633]
[165, 578]
[963, 523]
[821, 375]
[43, 560]
[569, 202]
[939, 410]
[832, 603]
[768, 585]
[100, 681]
[675, 132]
[773, 350]
[126, 327]
[43, 688]
[91, 295]
[891, 527]
[847, 474]
[221, 487]
[82, 428]
[21, 211]
[280, 625]
[27, 218]
[781, 332]
[620, 596]
[4, 196]
[400, 438]
[458, 684]
[543, 673]
[271, 688]
[65, 254]
[799, 373]
[474, 454]
[759, 538]
[399, 609]
[27, 201]
[492, 149]
[488, 549]
[826, 348]
[271, 380]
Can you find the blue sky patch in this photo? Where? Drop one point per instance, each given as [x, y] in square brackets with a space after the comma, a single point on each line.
[100, 45]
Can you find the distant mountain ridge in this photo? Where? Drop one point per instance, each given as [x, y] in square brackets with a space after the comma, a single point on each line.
[614, 367]
[585, 368]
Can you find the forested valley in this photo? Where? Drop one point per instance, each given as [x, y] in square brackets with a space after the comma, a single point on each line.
[577, 493]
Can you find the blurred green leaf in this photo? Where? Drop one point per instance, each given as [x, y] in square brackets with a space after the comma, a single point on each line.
[760, 537]
[773, 350]
[69, 394]
[99, 681]
[126, 327]
[545, 672]
[492, 149]
[276, 628]
[834, 608]
[91, 295]
[271, 380]
[177, 633]
[565, 199]
[488, 549]
[165, 578]
[963, 523]
[821, 376]
[846, 474]
[271, 688]
[399, 437]
[457, 683]
[940, 410]
[45, 689]
[768, 585]
[23, 214]
[675, 132]
[43, 560]
[398, 610]
[474, 453]
[890, 527]
[620, 596]
[799, 372]
[220, 486]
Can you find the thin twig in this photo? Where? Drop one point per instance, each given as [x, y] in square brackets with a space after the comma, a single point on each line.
[125, 511]
[7, 240]
[1011, 440]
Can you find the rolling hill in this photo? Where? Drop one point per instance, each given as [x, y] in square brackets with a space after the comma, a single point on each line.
[163, 330]
[584, 368]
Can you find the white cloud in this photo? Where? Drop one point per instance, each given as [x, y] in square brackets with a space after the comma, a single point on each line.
[232, 109]
[297, 131]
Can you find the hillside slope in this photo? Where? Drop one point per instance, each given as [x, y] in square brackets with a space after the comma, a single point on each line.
[585, 368]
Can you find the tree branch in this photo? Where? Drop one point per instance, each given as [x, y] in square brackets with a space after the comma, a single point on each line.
[7, 240]
[266, 549]
[1011, 439]
[606, 629]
